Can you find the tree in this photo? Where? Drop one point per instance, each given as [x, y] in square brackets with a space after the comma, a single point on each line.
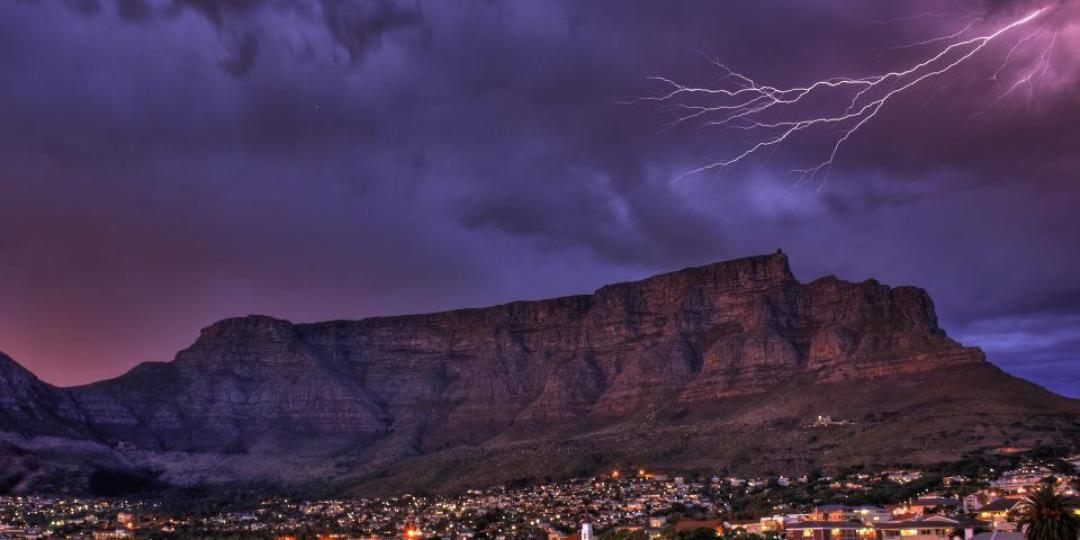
[1048, 515]
[622, 535]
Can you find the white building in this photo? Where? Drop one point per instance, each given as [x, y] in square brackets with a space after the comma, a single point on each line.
[586, 532]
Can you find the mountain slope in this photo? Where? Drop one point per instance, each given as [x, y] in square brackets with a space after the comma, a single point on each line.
[29, 406]
[698, 367]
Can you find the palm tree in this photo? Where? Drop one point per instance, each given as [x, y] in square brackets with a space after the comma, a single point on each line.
[1048, 515]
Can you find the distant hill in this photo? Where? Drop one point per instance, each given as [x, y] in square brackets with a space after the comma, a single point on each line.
[722, 365]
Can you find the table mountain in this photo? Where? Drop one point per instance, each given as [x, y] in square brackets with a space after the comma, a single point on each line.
[724, 364]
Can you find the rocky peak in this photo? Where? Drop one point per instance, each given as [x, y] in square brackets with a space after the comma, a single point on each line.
[251, 327]
[873, 303]
[14, 375]
[28, 405]
[771, 269]
[749, 275]
[242, 340]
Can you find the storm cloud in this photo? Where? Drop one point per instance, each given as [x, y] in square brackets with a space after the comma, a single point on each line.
[169, 163]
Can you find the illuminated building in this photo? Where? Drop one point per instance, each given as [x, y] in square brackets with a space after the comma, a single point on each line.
[828, 530]
[930, 528]
[587, 532]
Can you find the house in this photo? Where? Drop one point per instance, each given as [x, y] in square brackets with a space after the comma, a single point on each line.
[556, 535]
[828, 530]
[928, 528]
[831, 512]
[762, 526]
[903, 476]
[870, 514]
[932, 504]
[975, 501]
[826, 420]
[1021, 480]
[114, 533]
[842, 512]
[997, 511]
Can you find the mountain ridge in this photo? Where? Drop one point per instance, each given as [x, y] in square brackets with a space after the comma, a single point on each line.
[426, 399]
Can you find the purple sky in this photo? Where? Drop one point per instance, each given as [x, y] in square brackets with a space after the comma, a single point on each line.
[164, 164]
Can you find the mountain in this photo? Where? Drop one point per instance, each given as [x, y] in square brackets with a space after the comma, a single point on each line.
[720, 365]
[28, 405]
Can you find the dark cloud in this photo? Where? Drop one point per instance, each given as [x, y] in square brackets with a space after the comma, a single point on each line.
[133, 10]
[241, 59]
[85, 7]
[358, 26]
[218, 11]
[171, 162]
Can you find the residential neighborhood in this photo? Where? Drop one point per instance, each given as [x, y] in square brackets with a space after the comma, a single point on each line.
[636, 504]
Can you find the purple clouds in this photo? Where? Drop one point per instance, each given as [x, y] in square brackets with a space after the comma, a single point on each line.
[168, 163]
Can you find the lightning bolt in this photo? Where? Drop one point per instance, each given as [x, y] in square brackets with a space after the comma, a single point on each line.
[938, 39]
[1037, 70]
[775, 114]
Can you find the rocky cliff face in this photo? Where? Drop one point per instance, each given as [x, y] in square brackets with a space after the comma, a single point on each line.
[389, 389]
[29, 406]
[702, 334]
